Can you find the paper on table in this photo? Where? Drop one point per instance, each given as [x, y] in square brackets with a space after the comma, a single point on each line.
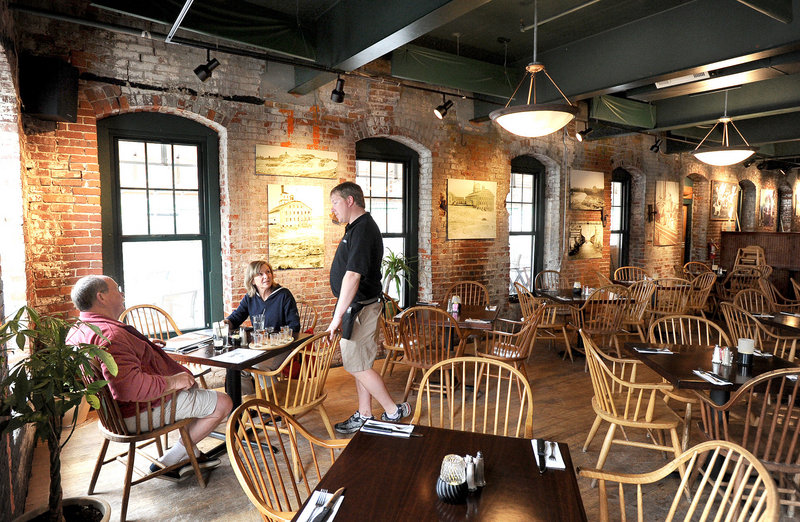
[184, 341]
[551, 464]
[710, 378]
[312, 508]
[482, 321]
[491, 308]
[238, 355]
[652, 350]
[388, 428]
[759, 353]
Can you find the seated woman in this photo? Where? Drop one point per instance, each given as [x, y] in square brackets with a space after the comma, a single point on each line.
[265, 296]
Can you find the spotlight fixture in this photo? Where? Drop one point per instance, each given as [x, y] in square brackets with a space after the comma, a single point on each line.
[441, 110]
[203, 71]
[337, 94]
[656, 147]
[748, 162]
[582, 134]
[534, 119]
[724, 155]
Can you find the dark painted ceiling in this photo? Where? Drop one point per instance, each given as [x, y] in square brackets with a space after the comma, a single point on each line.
[617, 48]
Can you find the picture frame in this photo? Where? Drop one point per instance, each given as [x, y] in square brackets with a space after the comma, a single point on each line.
[724, 200]
[586, 190]
[290, 162]
[296, 216]
[668, 216]
[471, 208]
[585, 240]
[766, 208]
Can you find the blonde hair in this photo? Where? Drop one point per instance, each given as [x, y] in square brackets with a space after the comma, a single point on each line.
[253, 269]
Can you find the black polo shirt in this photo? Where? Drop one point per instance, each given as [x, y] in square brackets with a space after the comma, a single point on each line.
[360, 251]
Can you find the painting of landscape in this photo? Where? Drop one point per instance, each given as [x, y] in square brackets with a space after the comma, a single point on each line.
[302, 163]
[296, 227]
[586, 190]
[585, 240]
[471, 209]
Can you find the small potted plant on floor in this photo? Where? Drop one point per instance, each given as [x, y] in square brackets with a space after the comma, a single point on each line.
[395, 269]
[41, 388]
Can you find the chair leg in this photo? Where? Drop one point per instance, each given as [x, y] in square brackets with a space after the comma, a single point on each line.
[96, 472]
[326, 420]
[187, 443]
[126, 488]
[568, 347]
[604, 450]
[687, 423]
[592, 432]
[411, 375]
[676, 447]
[387, 361]
[202, 380]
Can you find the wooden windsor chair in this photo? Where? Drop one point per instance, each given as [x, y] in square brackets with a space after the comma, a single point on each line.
[265, 458]
[736, 280]
[690, 330]
[477, 395]
[699, 499]
[779, 301]
[742, 324]
[697, 300]
[600, 316]
[471, 293]
[634, 319]
[795, 287]
[553, 321]
[308, 316]
[754, 301]
[695, 268]
[429, 335]
[390, 327]
[511, 341]
[764, 417]
[629, 273]
[550, 280]
[156, 323]
[670, 297]
[310, 362]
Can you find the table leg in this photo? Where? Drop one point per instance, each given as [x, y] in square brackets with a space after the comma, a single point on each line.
[233, 386]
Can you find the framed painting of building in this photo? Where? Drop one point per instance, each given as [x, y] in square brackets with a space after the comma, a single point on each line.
[767, 208]
[586, 190]
[585, 240]
[301, 163]
[724, 197]
[668, 214]
[471, 209]
[296, 226]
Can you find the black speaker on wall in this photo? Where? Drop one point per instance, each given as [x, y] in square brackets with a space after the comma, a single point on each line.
[48, 88]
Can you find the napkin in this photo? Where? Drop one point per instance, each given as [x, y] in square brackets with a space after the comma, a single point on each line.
[388, 428]
[759, 353]
[238, 355]
[312, 508]
[713, 379]
[481, 321]
[491, 308]
[551, 464]
[652, 350]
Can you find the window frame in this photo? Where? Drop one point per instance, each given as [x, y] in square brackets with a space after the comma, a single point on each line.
[163, 128]
[623, 177]
[528, 165]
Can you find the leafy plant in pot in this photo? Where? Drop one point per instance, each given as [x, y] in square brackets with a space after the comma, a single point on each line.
[41, 388]
[395, 269]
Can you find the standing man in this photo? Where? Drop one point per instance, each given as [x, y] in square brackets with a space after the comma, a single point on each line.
[145, 372]
[356, 282]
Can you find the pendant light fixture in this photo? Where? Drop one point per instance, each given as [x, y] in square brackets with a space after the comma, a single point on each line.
[724, 155]
[534, 119]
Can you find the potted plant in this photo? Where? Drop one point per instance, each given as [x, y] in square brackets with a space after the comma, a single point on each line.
[395, 268]
[41, 388]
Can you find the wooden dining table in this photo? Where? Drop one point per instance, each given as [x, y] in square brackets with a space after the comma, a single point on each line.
[563, 296]
[469, 317]
[388, 478]
[787, 322]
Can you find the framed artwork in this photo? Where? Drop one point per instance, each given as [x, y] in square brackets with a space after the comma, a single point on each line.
[724, 198]
[296, 226]
[797, 200]
[301, 163]
[586, 190]
[585, 240]
[767, 208]
[668, 214]
[471, 209]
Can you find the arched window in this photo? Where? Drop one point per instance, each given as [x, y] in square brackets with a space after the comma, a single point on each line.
[525, 205]
[159, 182]
[620, 217]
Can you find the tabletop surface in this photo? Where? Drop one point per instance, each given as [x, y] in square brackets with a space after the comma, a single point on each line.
[204, 355]
[388, 478]
[788, 322]
[486, 318]
[677, 368]
[563, 296]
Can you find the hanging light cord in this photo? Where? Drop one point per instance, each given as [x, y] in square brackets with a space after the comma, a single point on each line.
[724, 120]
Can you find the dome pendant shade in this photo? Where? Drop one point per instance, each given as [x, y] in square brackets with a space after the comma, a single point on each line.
[723, 156]
[534, 120]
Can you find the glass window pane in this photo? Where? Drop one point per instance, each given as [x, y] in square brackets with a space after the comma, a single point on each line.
[394, 187]
[394, 209]
[527, 188]
[175, 282]
[162, 212]
[616, 218]
[186, 177]
[379, 213]
[521, 257]
[131, 151]
[159, 176]
[363, 182]
[378, 188]
[187, 212]
[514, 217]
[362, 168]
[527, 218]
[132, 175]
[616, 193]
[159, 165]
[133, 211]
[185, 155]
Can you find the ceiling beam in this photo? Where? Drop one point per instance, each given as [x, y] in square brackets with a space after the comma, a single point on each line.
[355, 32]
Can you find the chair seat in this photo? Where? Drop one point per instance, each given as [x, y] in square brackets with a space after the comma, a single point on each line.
[663, 417]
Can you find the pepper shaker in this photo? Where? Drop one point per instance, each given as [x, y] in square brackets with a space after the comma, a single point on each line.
[480, 479]
[470, 465]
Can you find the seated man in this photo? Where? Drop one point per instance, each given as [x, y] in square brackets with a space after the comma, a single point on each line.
[145, 371]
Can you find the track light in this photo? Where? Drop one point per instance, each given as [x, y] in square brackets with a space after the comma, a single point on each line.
[203, 71]
[441, 110]
[582, 134]
[748, 162]
[656, 147]
[337, 94]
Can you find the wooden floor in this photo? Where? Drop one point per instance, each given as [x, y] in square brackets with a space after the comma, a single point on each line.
[562, 412]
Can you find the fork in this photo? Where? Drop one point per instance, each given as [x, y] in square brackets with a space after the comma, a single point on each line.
[552, 450]
[322, 498]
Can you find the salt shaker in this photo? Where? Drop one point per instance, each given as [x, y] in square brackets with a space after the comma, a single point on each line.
[727, 357]
[480, 479]
[717, 354]
[470, 465]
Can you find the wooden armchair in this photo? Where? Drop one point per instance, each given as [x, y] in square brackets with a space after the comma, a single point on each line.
[697, 498]
[308, 316]
[511, 341]
[550, 280]
[146, 432]
[697, 300]
[429, 335]
[736, 280]
[634, 320]
[470, 292]
[527, 303]
[156, 323]
[779, 302]
[754, 301]
[764, 417]
[671, 297]
[263, 457]
[622, 402]
[630, 273]
[743, 324]
[310, 362]
[475, 394]
[695, 268]
[390, 327]
[601, 315]
[795, 287]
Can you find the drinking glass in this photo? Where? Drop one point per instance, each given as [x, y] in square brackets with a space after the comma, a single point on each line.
[258, 322]
[258, 339]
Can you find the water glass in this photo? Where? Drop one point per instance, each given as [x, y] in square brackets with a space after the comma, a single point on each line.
[258, 322]
[275, 338]
[258, 339]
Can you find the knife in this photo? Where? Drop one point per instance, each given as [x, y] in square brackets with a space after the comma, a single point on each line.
[326, 509]
[540, 451]
[386, 429]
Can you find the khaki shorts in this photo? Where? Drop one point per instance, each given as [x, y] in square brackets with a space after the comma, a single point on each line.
[358, 352]
[194, 402]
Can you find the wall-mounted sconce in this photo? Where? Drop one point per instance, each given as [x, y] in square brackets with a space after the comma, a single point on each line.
[651, 212]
